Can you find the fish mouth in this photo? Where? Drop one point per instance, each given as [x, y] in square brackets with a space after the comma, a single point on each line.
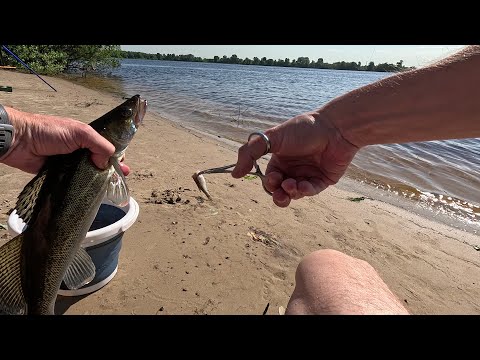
[142, 109]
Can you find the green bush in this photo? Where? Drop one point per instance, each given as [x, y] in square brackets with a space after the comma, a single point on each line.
[56, 59]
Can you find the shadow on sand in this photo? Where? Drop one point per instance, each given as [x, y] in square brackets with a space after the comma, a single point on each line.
[63, 303]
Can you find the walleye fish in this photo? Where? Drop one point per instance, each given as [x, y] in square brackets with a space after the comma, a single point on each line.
[59, 205]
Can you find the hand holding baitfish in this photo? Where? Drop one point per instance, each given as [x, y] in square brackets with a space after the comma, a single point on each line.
[202, 184]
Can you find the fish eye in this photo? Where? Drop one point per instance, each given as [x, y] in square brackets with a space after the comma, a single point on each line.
[127, 112]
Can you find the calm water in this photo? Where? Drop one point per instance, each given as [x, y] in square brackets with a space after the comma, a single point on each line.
[233, 100]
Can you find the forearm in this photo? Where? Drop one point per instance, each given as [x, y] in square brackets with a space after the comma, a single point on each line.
[441, 101]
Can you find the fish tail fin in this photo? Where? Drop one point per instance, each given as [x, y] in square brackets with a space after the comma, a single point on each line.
[12, 298]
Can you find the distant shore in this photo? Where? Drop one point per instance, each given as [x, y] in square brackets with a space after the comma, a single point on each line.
[300, 62]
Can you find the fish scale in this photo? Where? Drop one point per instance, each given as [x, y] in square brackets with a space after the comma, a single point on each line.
[83, 196]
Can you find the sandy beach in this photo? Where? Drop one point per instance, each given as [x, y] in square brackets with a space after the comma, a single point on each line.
[238, 252]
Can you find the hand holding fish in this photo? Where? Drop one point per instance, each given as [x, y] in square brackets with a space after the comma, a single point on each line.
[39, 136]
[59, 204]
[308, 155]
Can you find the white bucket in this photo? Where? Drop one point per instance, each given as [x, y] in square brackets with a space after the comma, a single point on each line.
[103, 242]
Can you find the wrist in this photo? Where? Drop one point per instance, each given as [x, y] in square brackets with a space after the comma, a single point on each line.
[7, 132]
[334, 121]
[12, 122]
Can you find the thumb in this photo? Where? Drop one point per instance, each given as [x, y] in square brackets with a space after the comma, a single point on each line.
[251, 151]
[101, 148]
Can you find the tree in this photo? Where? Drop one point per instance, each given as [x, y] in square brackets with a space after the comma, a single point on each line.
[234, 59]
[44, 59]
[91, 58]
[384, 67]
[319, 63]
[55, 59]
[303, 62]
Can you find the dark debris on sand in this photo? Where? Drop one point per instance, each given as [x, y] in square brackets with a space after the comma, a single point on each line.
[169, 196]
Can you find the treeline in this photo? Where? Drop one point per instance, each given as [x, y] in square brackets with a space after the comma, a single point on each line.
[301, 62]
[56, 59]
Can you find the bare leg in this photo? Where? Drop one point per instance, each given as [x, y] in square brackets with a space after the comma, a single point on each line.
[330, 282]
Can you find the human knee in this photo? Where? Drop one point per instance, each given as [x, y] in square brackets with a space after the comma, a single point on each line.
[319, 279]
[329, 281]
[328, 259]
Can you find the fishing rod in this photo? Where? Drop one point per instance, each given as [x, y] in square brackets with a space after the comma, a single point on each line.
[20, 60]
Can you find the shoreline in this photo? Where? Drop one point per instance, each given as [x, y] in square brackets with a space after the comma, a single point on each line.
[197, 257]
[352, 179]
[459, 204]
[351, 184]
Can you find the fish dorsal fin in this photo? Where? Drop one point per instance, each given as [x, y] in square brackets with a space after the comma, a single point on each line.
[80, 272]
[117, 191]
[28, 197]
[12, 298]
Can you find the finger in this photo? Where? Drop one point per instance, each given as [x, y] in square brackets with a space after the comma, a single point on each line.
[32, 166]
[249, 152]
[101, 148]
[274, 181]
[125, 168]
[281, 198]
[290, 187]
[311, 187]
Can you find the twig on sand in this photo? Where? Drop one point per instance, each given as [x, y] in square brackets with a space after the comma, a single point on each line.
[240, 113]
[358, 199]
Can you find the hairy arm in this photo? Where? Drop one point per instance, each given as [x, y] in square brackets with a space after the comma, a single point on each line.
[437, 102]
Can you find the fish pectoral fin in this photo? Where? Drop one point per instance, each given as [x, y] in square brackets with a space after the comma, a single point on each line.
[28, 197]
[117, 190]
[12, 298]
[80, 272]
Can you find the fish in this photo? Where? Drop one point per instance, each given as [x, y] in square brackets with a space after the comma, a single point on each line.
[201, 183]
[58, 207]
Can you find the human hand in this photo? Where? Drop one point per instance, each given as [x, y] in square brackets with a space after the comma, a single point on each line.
[308, 154]
[38, 136]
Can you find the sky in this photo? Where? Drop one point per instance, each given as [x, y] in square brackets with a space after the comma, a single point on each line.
[412, 55]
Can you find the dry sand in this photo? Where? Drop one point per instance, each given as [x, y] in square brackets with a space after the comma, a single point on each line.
[198, 256]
